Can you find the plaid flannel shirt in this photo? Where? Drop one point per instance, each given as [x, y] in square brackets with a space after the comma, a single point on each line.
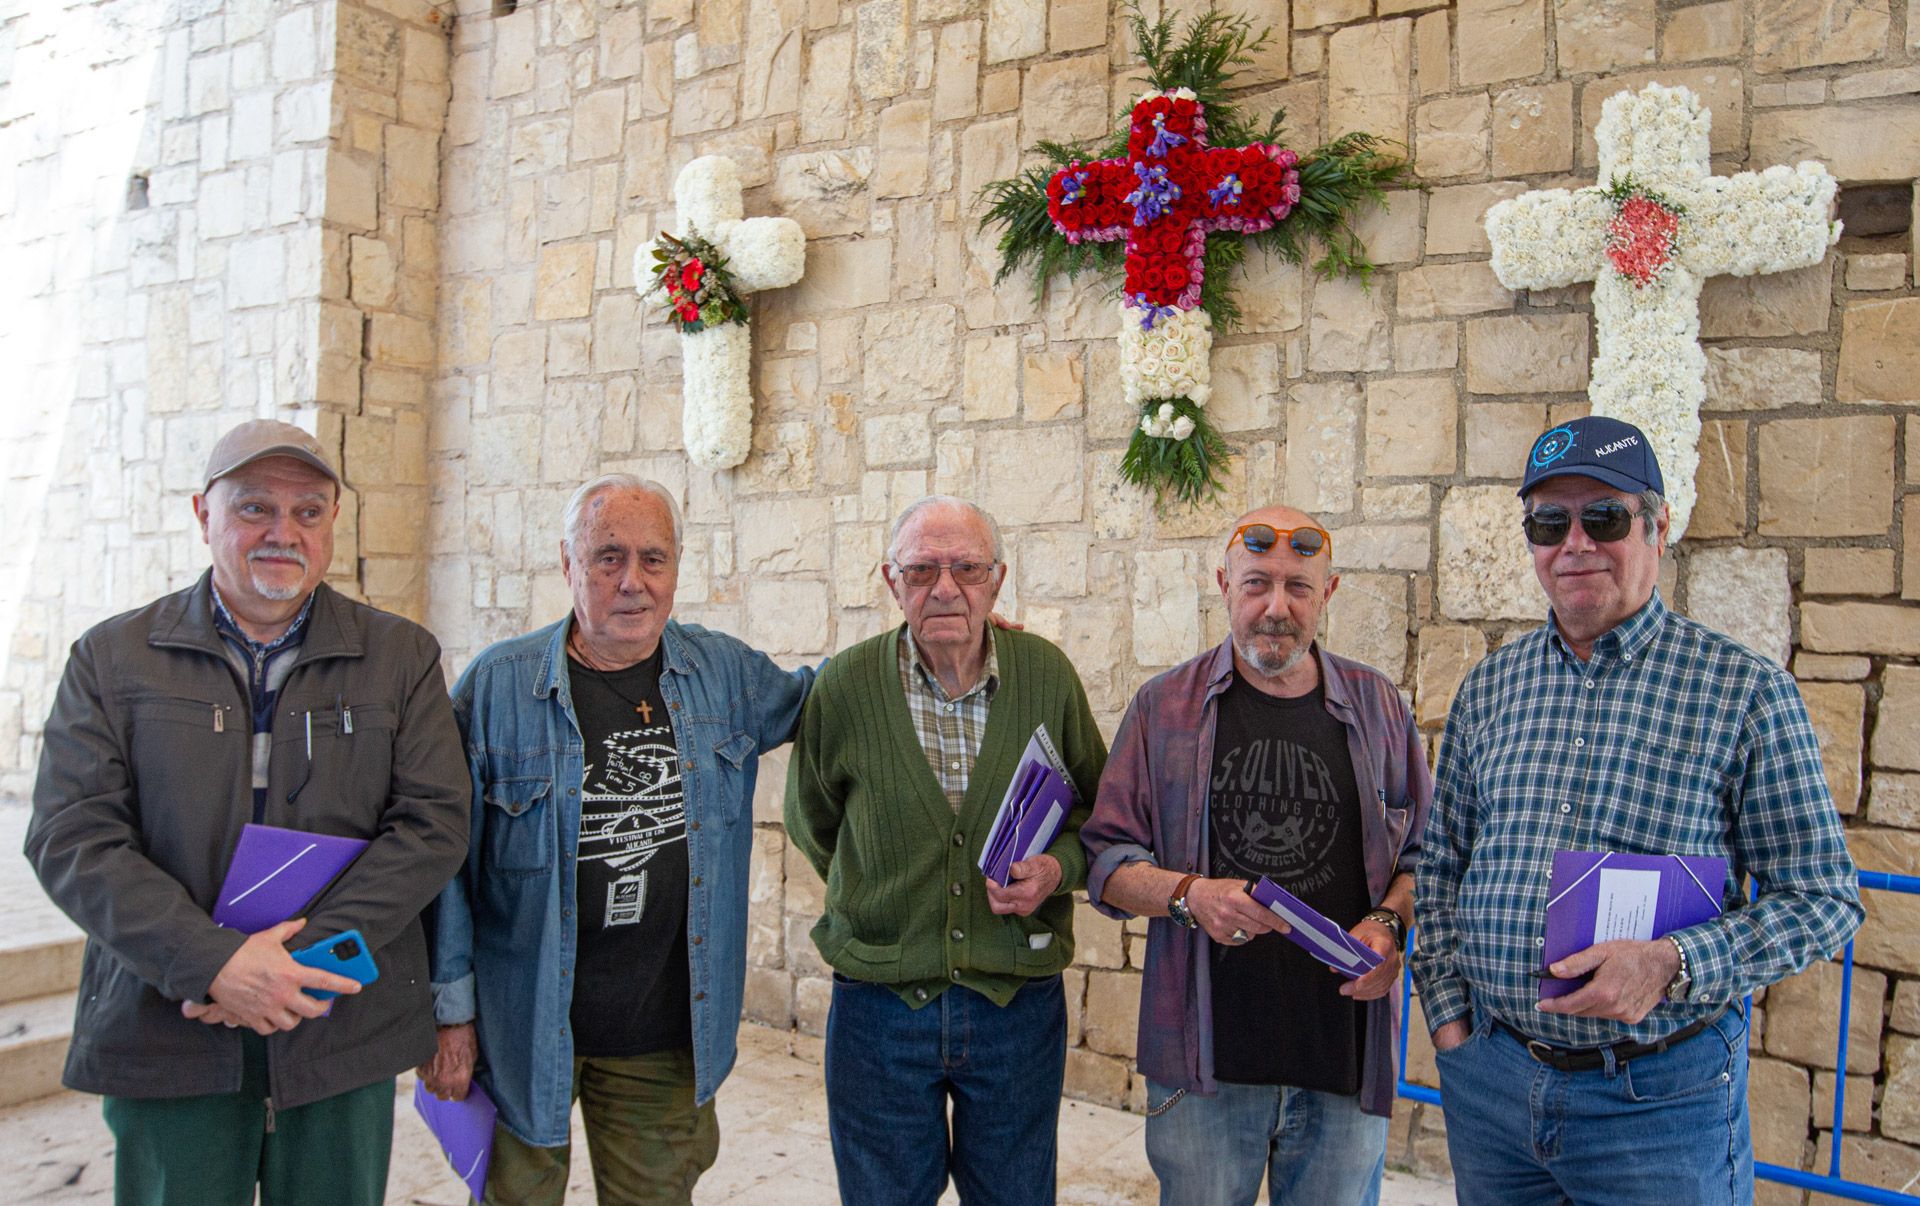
[950, 729]
[1671, 739]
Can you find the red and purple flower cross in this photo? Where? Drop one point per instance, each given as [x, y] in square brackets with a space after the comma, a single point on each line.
[1166, 196]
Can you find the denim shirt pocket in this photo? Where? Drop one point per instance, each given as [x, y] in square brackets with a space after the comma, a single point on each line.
[730, 760]
[519, 825]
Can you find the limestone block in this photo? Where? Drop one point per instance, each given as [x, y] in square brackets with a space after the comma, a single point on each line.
[896, 440]
[1485, 568]
[1015, 29]
[1745, 594]
[1051, 386]
[1803, 1012]
[1013, 492]
[787, 616]
[1886, 939]
[1527, 354]
[825, 191]
[1369, 78]
[1760, 378]
[1848, 572]
[843, 275]
[1076, 25]
[1830, 666]
[1390, 230]
[910, 354]
[1905, 1016]
[707, 104]
[858, 550]
[1880, 350]
[1705, 31]
[1097, 642]
[956, 72]
[1501, 40]
[1112, 1020]
[1499, 434]
[1900, 1104]
[1868, 1161]
[1777, 1100]
[770, 63]
[257, 272]
[764, 535]
[1838, 711]
[1860, 628]
[515, 38]
[1410, 500]
[1533, 130]
[1875, 273]
[598, 119]
[563, 286]
[1384, 546]
[1323, 426]
[1896, 734]
[1826, 477]
[1098, 940]
[1246, 386]
[1166, 607]
[1350, 327]
[1789, 34]
[1065, 100]
[352, 192]
[1721, 481]
[1433, 52]
[395, 339]
[1000, 91]
[1447, 652]
[1601, 35]
[1367, 621]
[1452, 290]
[1910, 548]
[1312, 14]
[1858, 1114]
[1100, 1079]
[901, 164]
[1831, 135]
[1451, 136]
[990, 378]
[1456, 217]
[1412, 427]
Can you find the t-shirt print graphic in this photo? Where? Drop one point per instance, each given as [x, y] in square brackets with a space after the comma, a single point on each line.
[1277, 812]
[632, 807]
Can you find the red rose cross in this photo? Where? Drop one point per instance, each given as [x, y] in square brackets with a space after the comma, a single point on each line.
[1170, 191]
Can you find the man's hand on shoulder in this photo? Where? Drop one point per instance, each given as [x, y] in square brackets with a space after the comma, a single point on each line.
[449, 1074]
[1629, 978]
[262, 988]
[1031, 882]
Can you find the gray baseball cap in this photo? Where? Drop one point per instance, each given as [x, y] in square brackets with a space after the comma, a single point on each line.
[260, 438]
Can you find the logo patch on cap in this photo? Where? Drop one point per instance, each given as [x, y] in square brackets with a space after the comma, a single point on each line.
[1552, 446]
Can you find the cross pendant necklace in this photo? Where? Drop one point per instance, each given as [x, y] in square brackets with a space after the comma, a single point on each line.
[580, 655]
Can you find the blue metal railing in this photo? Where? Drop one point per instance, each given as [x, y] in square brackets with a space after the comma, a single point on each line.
[1830, 1182]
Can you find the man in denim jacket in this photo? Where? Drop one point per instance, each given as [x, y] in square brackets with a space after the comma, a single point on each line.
[613, 757]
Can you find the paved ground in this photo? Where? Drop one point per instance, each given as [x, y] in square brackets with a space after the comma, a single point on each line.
[773, 1147]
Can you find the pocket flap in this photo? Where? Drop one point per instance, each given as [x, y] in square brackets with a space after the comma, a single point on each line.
[735, 749]
[515, 796]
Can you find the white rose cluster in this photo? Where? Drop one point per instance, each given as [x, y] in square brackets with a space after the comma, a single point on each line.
[1172, 359]
[716, 369]
[1162, 423]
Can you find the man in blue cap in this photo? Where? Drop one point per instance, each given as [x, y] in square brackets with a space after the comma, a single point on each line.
[1618, 726]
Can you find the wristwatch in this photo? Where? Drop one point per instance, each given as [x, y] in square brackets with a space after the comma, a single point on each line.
[1177, 905]
[1391, 920]
[1681, 986]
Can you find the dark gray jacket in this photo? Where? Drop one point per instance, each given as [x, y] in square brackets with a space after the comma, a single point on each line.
[139, 803]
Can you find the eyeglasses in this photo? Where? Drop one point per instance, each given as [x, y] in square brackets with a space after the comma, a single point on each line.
[1604, 520]
[965, 573]
[1257, 538]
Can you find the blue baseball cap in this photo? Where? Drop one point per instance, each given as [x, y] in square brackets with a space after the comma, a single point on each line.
[1606, 450]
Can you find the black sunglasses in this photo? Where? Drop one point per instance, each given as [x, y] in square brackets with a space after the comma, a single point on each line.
[1605, 521]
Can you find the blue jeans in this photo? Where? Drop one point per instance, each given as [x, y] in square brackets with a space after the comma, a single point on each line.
[891, 1071]
[1316, 1149]
[1656, 1130]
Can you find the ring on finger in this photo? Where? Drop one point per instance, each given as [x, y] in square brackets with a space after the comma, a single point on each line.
[1238, 936]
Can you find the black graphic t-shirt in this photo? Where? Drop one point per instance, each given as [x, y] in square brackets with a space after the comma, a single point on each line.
[1283, 804]
[630, 975]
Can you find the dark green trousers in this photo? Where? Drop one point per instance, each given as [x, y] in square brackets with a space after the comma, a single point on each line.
[213, 1150]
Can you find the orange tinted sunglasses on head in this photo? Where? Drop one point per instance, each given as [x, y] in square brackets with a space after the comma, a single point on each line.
[1258, 538]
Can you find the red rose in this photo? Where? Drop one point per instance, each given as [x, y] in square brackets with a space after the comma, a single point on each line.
[1176, 275]
[1185, 107]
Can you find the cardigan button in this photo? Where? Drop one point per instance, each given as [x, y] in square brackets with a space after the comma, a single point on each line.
[919, 994]
[959, 934]
[959, 839]
[955, 889]
[956, 975]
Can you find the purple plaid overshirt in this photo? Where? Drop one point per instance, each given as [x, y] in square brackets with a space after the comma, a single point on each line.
[1152, 808]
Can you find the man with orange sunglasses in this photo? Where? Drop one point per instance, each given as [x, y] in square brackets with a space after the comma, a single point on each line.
[1266, 756]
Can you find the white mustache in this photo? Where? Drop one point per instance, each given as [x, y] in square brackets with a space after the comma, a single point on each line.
[266, 552]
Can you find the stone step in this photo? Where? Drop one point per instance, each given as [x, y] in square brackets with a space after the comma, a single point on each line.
[33, 1046]
[40, 969]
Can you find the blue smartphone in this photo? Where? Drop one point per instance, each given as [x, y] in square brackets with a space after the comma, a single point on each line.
[344, 954]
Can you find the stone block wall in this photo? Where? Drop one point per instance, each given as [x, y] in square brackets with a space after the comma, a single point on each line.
[416, 235]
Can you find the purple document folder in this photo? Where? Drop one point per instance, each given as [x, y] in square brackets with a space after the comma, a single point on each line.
[1313, 933]
[1595, 896]
[465, 1131]
[276, 873]
[1033, 811]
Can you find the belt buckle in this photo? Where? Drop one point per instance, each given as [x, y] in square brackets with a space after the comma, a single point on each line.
[1541, 1052]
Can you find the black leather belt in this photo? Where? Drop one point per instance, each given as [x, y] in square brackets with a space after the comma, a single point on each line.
[1586, 1059]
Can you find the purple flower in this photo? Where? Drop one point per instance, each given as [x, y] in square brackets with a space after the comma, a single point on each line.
[1227, 192]
[1164, 140]
[1150, 313]
[1073, 187]
[1154, 197]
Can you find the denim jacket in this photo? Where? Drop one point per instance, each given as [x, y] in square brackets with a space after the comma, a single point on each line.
[504, 935]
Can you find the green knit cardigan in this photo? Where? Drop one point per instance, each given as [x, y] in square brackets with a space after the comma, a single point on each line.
[905, 899]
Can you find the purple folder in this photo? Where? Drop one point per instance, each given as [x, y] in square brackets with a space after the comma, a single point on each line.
[1594, 896]
[1032, 813]
[465, 1131]
[276, 873]
[1313, 933]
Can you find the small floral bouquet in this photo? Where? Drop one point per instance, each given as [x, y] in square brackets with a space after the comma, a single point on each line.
[692, 274]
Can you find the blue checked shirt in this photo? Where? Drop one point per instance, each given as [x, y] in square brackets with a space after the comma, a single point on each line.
[1672, 739]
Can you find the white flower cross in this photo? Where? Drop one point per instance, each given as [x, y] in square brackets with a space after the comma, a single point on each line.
[1649, 369]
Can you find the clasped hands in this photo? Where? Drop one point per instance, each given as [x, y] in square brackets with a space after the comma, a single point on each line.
[1225, 909]
[1630, 977]
[263, 989]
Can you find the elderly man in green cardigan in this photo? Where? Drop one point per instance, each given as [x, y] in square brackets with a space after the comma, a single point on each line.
[946, 986]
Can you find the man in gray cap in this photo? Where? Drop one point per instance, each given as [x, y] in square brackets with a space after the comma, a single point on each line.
[258, 694]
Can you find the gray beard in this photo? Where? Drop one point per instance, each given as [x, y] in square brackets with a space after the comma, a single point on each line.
[1266, 663]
